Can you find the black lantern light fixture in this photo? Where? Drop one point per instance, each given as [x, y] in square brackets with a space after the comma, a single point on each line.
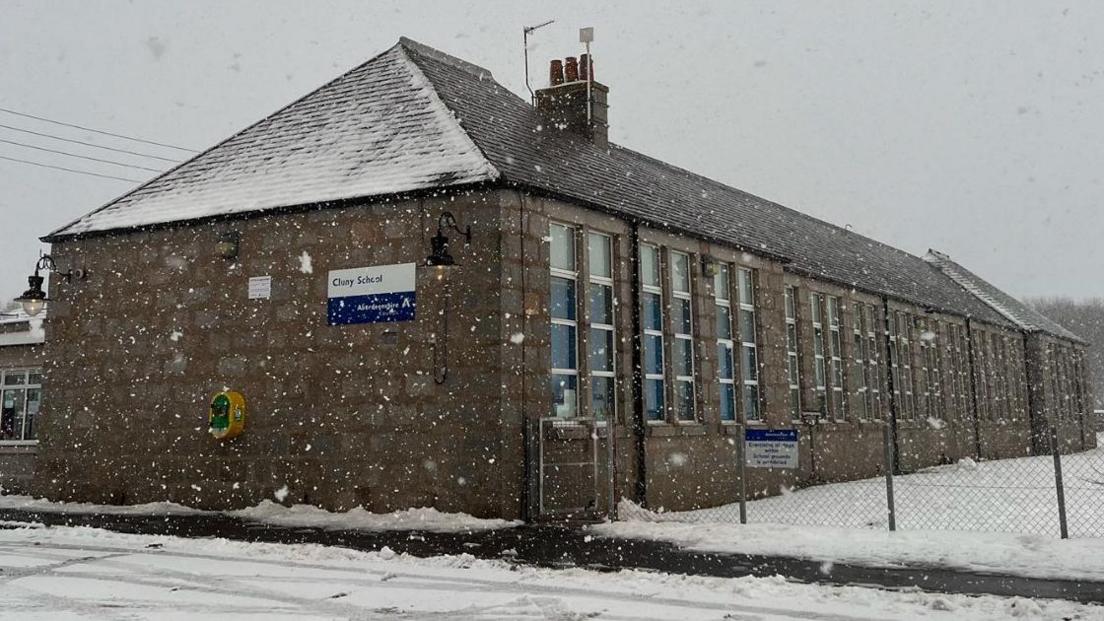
[34, 298]
[439, 246]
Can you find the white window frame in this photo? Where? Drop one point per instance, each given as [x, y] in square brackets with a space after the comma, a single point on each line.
[820, 363]
[722, 298]
[604, 281]
[835, 344]
[749, 343]
[657, 290]
[873, 360]
[859, 359]
[27, 372]
[573, 276]
[793, 361]
[685, 337]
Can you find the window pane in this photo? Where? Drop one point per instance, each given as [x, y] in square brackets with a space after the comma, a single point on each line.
[601, 349]
[601, 397]
[720, 283]
[563, 346]
[649, 265]
[653, 399]
[563, 298]
[15, 378]
[795, 402]
[680, 272]
[35, 378]
[599, 255]
[683, 357]
[652, 313]
[724, 322]
[747, 326]
[728, 402]
[724, 361]
[34, 400]
[601, 304]
[747, 296]
[791, 337]
[751, 402]
[680, 315]
[563, 396]
[818, 342]
[684, 396]
[748, 366]
[11, 415]
[792, 368]
[791, 312]
[562, 251]
[653, 354]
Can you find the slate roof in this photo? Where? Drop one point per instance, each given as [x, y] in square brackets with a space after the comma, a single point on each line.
[1014, 310]
[415, 118]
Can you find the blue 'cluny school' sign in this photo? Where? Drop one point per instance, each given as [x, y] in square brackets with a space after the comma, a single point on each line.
[383, 293]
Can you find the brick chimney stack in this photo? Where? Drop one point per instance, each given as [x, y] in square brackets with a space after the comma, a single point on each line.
[564, 103]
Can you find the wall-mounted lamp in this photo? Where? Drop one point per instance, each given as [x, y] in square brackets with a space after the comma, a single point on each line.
[440, 259]
[228, 245]
[709, 267]
[439, 245]
[34, 298]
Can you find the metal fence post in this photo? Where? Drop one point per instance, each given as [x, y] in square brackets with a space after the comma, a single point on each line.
[889, 460]
[741, 461]
[1059, 486]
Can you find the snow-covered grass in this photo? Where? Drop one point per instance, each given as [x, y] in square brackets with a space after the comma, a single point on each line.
[85, 573]
[267, 512]
[993, 516]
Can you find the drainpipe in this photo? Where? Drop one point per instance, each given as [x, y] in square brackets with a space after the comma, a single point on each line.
[638, 426]
[973, 387]
[893, 463]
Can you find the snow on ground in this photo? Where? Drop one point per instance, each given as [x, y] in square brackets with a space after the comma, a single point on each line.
[954, 516]
[268, 512]
[85, 573]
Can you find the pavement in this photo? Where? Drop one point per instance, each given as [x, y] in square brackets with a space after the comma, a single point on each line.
[558, 546]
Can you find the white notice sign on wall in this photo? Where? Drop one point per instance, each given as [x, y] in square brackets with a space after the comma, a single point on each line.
[260, 287]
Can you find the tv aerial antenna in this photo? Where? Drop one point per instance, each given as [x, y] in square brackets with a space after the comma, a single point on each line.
[525, 38]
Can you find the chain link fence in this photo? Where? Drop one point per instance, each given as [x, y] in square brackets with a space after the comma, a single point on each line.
[1057, 493]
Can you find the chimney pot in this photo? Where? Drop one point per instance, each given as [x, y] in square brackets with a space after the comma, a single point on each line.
[571, 69]
[585, 68]
[556, 73]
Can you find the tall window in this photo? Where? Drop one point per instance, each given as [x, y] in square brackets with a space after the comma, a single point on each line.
[601, 338]
[904, 333]
[895, 363]
[835, 350]
[749, 350]
[859, 362]
[873, 360]
[565, 363]
[20, 398]
[924, 397]
[954, 359]
[682, 350]
[984, 398]
[726, 375]
[651, 318]
[792, 367]
[816, 303]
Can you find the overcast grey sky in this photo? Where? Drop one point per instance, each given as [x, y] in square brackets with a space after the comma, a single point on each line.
[974, 128]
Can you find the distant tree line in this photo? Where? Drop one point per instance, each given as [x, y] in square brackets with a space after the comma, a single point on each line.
[1085, 318]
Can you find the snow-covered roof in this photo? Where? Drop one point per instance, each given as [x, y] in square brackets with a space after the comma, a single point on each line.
[12, 333]
[378, 129]
[415, 118]
[1012, 309]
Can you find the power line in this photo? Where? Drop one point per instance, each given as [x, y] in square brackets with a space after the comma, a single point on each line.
[72, 170]
[98, 131]
[88, 144]
[83, 157]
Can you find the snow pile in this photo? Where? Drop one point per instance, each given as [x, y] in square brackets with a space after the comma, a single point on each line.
[424, 518]
[1036, 556]
[268, 512]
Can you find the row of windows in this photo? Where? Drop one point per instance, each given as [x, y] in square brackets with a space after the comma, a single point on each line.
[926, 360]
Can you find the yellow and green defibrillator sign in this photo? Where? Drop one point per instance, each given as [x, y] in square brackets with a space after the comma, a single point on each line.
[227, 416]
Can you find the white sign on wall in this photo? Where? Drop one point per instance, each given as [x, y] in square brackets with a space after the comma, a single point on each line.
[771, 448]
[382, 293]
[260, 287]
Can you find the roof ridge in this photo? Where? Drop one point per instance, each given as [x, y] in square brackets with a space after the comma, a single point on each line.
[436, 54]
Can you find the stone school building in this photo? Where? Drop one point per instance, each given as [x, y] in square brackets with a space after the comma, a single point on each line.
[427, 291]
